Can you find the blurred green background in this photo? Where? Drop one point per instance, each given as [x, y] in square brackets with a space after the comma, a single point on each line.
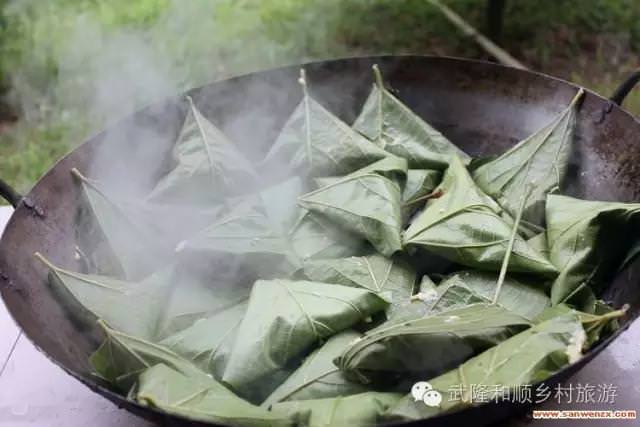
[69, 67]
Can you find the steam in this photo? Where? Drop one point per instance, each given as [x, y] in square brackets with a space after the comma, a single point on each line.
[107, 72]
[105, 75]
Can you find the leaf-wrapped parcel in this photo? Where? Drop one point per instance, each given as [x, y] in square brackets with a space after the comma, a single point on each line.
[526, 358]
[541, 159]
[523, 296]
[388, 122]
[172, 299]
[358, 410]
[314, 142]
[427, 346]
[122, 357]
[207, 342]
[367, 205]
[284, 320]
[467, 226]
[208, 166]
[391, 276]
[318, 377]
[201, 398]
[271, 231]
[134, 243]
[588, 241]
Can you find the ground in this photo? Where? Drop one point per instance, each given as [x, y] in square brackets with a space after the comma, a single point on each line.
[69, 67]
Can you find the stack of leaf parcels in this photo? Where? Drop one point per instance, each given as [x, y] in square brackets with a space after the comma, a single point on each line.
[308, 302]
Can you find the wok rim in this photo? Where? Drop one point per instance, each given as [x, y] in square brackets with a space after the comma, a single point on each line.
[156, 414]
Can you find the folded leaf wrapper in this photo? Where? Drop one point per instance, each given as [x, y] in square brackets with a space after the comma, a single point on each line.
[314, 142]
[531, 356]
[412, 349]
[202, 398]
[131, 244]
[388, 122]
[272, 232]
[285, 319]
[367, 205]
[391, 276]
[521, 296]
[208, 166]
[122, 357]
[318, 377]
[170, 300]
[358, 410]
[588, 241]
[466, 226]
[542, 159]
[208, 342]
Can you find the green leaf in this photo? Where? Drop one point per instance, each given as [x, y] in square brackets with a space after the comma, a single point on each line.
[207, 342]
[318, 377]
[313, 237]
[539, 243]
[136, 244]
[367, 205]
[420, 184]
[541, 159]
[528, 357]
[524, 297]
[259, 225]
[427, 346]
[358, 410]
[196, 291]
[392, 167]
[201, 398]
[122, 357]
[419, 305]
[376, 273]
[466, 226]
[385, 120]
[601, 323]
[207, 166]
[284, 320]
[273, 233]
[314, 142]
[89, 297]
[173, 299]
[588, 240]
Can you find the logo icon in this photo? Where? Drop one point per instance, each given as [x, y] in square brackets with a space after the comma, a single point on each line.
[422, 390]
[432, 398]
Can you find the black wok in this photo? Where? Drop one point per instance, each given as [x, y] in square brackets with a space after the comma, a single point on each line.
[482, 107]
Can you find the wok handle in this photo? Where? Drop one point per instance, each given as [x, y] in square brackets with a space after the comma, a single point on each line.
[625, 87]
[9, 194]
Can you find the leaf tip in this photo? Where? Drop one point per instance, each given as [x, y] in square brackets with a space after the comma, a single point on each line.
[303, 78]
[578, 96]
[43, 260]
[378, 76]
[76, 173]
[103, 325]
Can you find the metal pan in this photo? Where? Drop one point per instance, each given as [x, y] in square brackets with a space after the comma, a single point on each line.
[482, 107]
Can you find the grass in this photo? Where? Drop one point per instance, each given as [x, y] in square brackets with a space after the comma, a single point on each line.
[68, 67]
